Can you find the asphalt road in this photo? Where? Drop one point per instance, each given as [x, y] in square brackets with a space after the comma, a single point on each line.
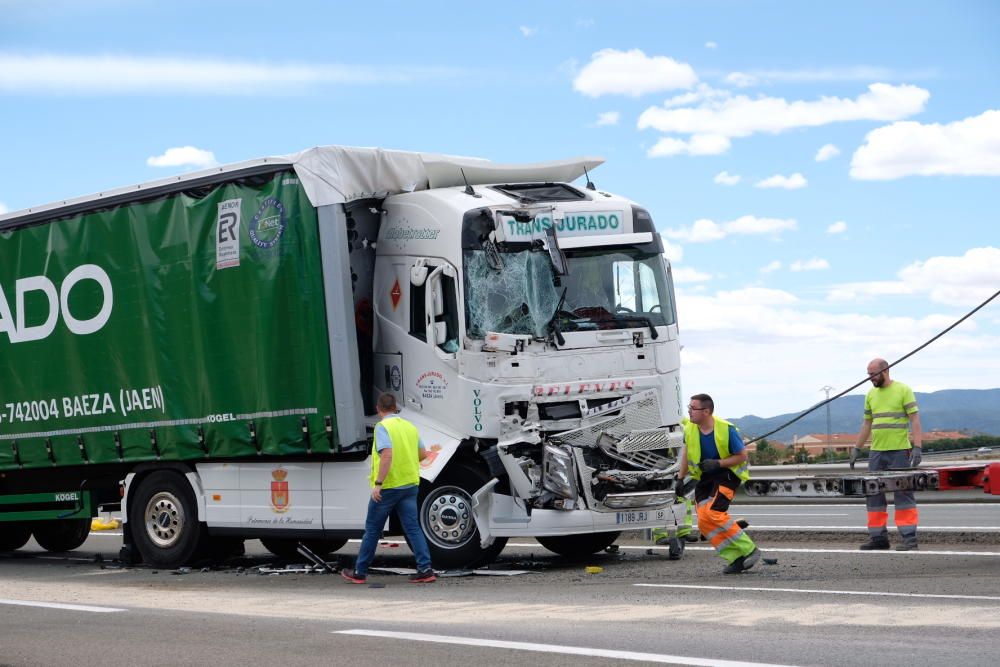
[820, 604]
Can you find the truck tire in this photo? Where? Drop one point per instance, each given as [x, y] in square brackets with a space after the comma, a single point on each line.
[64, 535]
[164, 518]
[284, 548]
[14, 535]
[578, 546]
[445, 512]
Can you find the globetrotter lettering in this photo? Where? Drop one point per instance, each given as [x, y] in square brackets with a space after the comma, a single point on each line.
[477, 410]
[57, 302]
[582, 388]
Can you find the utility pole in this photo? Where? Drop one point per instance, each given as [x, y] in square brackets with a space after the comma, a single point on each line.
[829, 437]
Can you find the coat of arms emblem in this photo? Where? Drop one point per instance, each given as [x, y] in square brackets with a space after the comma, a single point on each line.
[279, 490]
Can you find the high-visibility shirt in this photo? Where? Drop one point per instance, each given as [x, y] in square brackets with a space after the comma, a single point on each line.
[692, 438]
[888, 409]
[405, 468]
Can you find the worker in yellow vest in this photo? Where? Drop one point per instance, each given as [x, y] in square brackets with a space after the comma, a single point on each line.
[891, 417]
[715, 456]
[397, 451]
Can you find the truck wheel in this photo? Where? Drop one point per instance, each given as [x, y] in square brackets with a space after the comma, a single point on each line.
[445, 512]
[64, 535]
[578, 546]
[14, 535]
[284, 548]
[164, 518]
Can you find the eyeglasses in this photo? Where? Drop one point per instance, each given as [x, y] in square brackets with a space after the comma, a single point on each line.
[691, 408]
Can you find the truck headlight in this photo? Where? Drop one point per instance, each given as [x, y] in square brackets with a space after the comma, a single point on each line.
[559, 474]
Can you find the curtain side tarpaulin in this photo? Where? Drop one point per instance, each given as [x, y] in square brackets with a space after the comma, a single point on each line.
[172, 318]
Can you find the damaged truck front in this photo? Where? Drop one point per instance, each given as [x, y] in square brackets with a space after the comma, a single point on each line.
[551, 318]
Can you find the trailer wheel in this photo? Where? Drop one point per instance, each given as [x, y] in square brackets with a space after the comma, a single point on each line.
[445, 511]
[578, 546]
[14, 535]
[285, 548]
[64, 535]
[164, 518]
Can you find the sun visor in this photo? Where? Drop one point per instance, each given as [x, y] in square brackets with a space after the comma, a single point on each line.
[446, 171]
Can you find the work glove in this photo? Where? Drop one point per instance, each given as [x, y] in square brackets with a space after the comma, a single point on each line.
[710, 465]
[855, 455]
[683, 488]
[916, 456]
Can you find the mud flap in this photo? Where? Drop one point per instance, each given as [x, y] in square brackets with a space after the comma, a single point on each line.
[482, 506]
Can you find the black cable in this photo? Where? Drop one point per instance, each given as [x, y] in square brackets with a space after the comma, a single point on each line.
[904, 357]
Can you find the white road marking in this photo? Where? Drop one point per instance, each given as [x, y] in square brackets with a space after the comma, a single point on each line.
[767, 550]
[59, 605]
[985, 598]
[555, 648]
[788, 514]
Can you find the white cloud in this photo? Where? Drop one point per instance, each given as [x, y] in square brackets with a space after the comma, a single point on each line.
[704, 230]
[863, 73]
[608, 118]
[584, 23]
[741, 80]
[725, 178]
[793, 182]
[711, 45]
[742, 116]
[92, 75]
[699, 144]
[749, 224]
[761, 296]
[183, 156]
[771, 267]
[684, 274]
[700, 231]
[674, 252]
[700, 93]
[528, 31]
[868, 290]
[632, 73]
[968, 147]
[826, 152]
[965, 280]
[838, 227]
[814, 264]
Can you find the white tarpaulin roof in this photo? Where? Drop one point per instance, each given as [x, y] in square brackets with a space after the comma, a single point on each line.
[338, 174]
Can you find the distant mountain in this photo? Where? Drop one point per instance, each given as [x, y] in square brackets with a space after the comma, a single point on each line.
[973, 410]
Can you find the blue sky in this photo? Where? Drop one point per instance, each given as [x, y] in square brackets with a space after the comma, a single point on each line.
[863, 249]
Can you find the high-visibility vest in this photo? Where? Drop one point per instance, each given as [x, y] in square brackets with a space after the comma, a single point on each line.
[692, 437]
[405, 468]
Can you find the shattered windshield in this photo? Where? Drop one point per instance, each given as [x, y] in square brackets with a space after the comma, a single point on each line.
[518, 298]
[606, 288]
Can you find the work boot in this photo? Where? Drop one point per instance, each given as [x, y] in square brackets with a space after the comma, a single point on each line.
[735, 567]
[751, 559]
[693, 536]
[910, 545]
[877, 544]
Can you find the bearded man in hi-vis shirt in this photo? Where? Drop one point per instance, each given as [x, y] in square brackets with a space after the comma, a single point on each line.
[891, 417]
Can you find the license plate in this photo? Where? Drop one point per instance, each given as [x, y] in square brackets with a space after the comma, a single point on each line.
[640, 516]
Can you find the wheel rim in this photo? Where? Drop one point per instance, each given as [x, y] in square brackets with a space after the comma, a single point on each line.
[446, 517]
[165, 520]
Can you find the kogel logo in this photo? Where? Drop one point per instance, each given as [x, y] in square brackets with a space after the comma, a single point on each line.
[19, 331]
